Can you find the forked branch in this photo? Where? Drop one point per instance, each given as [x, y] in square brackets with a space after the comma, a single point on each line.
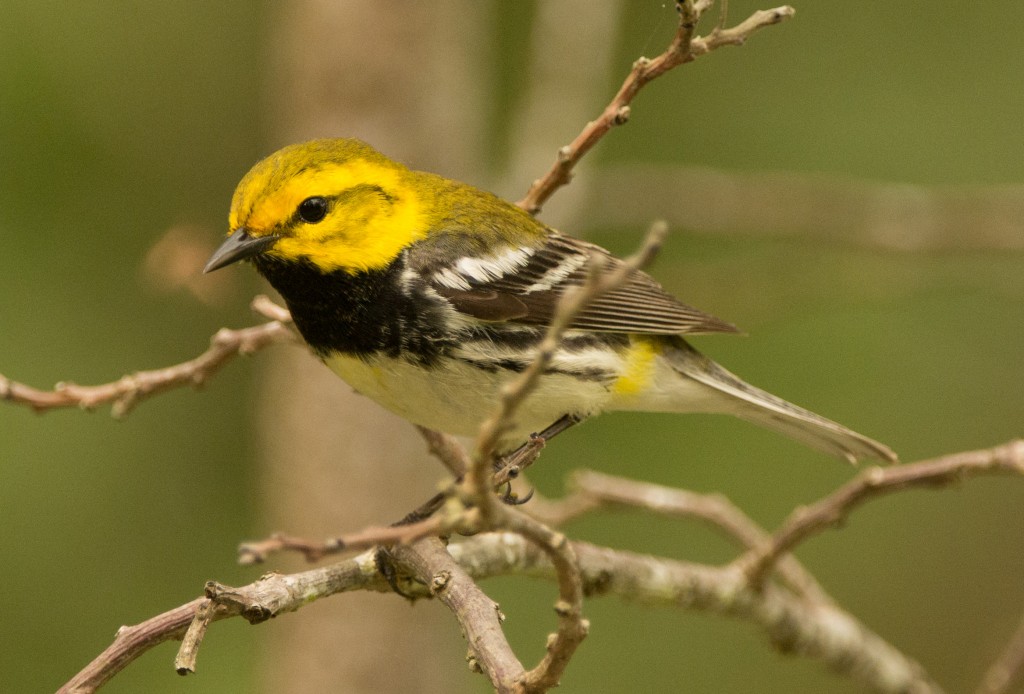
[684, 48]
[127, 392]
[874, 482]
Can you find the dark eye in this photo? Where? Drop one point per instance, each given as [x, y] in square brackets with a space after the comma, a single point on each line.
[313, 210]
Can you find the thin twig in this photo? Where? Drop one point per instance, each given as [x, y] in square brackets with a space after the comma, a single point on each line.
[263, 305]
[127, 392]
[188, 652]
[257, 551]
[271, 595]
[684, 48]
[592, 490]
[572, 627]
[874, 482]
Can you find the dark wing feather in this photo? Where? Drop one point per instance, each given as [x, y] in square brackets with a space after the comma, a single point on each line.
[486, 304]
[525, 288]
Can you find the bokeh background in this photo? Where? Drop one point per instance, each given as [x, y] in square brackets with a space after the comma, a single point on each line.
[848, 188]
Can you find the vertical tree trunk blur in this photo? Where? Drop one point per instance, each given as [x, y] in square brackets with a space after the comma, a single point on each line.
[404, 80]
[569, 77]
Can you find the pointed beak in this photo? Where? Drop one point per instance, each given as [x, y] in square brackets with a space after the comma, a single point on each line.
[237, 247]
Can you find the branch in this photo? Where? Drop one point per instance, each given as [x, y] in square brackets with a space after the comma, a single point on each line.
[791, 623]
[268, 597]
[804, 621]
[594, 490]
[572, 627]
[127, 392]
[478, 615]
[258, 551]
[874, 482]
[684, 48]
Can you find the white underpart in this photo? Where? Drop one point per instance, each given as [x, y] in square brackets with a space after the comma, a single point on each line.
[557, 274]
[456, 397]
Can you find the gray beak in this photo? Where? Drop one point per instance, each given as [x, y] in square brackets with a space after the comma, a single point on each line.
[237, 247]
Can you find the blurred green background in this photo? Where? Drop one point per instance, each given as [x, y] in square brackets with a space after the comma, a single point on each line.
[121, 121]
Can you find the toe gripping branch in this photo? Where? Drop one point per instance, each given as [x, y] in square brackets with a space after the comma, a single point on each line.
[506, 469]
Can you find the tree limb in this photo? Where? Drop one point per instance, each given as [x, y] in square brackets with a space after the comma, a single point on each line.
[791, 623]
[478, 615]
[271, 595]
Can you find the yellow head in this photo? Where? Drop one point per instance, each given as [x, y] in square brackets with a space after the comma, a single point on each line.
[338, 204]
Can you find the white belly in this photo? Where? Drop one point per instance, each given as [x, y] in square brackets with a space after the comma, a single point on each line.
[456, 397]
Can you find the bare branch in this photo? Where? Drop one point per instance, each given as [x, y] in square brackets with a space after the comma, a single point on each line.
[684, 48]
[258, 551]
[129, 644]
[792, 624]
[593, 490]
[875, 482]
[127, 392]
[572, 627]
[269, 596]
[188, 652]
[738, 35]
[263, 305]
[478, 615]
[806, 621]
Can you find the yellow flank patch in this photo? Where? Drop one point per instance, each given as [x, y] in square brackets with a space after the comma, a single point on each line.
[639, 367]
[375, 214]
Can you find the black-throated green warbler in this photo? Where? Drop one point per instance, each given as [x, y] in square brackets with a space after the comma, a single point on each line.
[427, 295]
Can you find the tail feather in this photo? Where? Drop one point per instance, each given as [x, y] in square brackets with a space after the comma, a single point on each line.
[759, 407]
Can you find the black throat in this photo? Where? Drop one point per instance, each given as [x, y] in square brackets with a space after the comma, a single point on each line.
[358, 314]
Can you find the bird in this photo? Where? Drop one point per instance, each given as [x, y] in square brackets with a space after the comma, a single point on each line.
[428, 295]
